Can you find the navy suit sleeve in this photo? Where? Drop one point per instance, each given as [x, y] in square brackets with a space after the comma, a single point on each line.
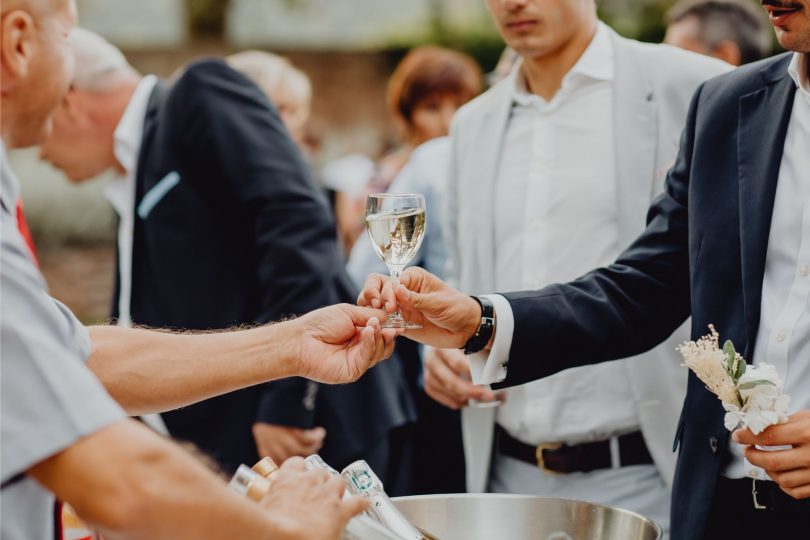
[297, 258]
[618, 311]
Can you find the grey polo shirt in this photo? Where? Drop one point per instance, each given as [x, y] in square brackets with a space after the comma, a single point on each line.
[48, 398]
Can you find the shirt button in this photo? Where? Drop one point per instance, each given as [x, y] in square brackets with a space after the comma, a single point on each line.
[804, 271]
[780, 336]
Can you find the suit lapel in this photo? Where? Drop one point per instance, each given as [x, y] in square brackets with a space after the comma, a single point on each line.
[489, 136]
[150, 124]
[635, 133]
[763, 121]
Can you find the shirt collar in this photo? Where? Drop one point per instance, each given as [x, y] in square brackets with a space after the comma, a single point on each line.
[9, 188]
[596, 63]
[128, 133]
[799, 71]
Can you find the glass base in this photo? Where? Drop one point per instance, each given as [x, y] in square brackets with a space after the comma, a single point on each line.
[396, 321]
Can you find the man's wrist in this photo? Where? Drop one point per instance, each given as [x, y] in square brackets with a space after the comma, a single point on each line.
[485, 329]
[474, 321]
[282, 346]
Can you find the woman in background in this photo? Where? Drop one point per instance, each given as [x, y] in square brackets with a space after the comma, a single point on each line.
[287, 87]
[424, 92]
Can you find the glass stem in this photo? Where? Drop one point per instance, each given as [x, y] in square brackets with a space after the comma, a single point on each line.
[395, 273]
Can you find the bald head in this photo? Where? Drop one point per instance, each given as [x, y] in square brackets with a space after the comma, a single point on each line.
[36, 66]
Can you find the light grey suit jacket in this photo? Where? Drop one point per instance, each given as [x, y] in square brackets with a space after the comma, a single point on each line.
[653, 85]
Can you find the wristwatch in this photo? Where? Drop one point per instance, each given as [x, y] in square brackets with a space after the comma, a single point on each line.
[486, 327]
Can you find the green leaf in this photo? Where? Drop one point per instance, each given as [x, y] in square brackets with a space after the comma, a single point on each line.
[734, 371]
[741, 366]
[728, 348]
[751, 384]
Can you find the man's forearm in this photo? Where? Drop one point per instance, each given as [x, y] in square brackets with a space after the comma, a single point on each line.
[142, 486]
[150, 371]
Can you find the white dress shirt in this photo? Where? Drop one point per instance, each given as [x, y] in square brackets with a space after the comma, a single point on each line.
[555, 219]
[121, 194]
[783, 337]
[121, 191]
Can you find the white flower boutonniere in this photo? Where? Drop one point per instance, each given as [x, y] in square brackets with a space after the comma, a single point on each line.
[751, 395]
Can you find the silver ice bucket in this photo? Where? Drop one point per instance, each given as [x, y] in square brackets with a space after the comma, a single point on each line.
[518, 517]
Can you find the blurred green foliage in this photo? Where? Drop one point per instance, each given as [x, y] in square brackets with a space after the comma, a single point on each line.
[645, 22]
[638, 19]
[206, 18]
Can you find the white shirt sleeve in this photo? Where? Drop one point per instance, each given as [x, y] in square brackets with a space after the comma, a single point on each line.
[489, 367]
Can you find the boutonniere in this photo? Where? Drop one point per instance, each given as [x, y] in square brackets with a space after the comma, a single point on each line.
[751, 395]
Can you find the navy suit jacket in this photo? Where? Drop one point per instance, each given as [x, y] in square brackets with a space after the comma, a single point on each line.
[703, 253]
[229, 230]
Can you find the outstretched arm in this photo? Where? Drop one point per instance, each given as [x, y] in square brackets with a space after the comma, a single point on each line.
[621, 310]
[149, 371]
[611, 313]
[130, 483]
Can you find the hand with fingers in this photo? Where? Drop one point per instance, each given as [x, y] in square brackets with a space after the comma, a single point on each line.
[448, 317]
[308, 504]
[448, 380]
[283, 442]
[338, 344]
[788, 468]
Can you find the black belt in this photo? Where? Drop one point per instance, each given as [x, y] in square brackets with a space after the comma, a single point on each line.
[584, 457]
[757, 494]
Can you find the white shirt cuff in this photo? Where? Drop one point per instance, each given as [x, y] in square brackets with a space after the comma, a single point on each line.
[489, 367]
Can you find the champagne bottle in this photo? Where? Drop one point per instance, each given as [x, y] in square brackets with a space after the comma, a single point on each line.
[361, 480]
[362, 527]
[316, 462]
[248, 482]
[255, 482]
[265, 467]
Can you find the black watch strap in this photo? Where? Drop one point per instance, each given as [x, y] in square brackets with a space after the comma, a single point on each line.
[486, 327]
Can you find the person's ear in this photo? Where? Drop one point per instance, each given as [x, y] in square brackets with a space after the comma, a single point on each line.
[73, 105]
[728, 51]
[17, 44]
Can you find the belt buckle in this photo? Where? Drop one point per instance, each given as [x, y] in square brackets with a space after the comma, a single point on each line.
[541, 461]
[757, 504]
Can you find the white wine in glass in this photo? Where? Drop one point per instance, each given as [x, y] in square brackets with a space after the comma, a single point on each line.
[396, 225]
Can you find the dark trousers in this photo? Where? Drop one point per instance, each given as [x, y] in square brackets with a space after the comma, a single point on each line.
[438, 450]
[733, 514]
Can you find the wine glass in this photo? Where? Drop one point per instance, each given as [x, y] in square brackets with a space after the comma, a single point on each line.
[396, 225]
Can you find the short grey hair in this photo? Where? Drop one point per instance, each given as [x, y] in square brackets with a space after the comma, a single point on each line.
[739, 21]
[99, 63]
[273, 74]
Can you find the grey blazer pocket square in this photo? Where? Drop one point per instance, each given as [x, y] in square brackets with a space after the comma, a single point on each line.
[158, 191]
